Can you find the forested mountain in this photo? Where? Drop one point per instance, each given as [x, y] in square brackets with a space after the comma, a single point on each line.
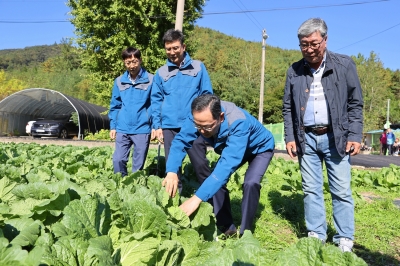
[55, 67]
[28, 57]
[234, 66]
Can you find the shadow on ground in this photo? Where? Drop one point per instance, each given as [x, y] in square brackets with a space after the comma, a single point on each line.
[374, 258]
[291, 208]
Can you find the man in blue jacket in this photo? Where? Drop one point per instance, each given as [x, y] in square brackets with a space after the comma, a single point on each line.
[390, 137]
[129, 113]
[175, 86]
[239, 138]
[323, 117]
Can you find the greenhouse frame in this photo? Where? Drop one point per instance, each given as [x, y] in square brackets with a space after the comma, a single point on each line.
[38, 103]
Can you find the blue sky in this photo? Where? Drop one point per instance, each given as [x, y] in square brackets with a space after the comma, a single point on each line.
[354, 26]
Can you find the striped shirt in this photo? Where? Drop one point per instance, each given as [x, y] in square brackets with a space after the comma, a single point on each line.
[317, 107]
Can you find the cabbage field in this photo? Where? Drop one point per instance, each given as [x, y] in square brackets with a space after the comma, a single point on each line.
[63, 205]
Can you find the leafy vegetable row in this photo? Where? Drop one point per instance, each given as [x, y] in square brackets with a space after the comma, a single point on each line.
[65, 206]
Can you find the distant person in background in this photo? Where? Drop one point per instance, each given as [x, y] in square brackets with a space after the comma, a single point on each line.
[396, 147]
[323, 120]
[382, 139]
[364, 145]
[390, 137]
[130, 113]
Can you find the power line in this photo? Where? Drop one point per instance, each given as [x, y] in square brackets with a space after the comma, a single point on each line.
[368, 37]
[293, 8]
[224, 12]
[252, 18]
[242, 11]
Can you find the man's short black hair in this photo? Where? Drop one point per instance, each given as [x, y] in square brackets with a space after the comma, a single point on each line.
[206, 101]
[131, 51]
[173, 35]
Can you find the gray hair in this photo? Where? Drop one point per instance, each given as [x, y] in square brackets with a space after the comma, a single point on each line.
[312, 25]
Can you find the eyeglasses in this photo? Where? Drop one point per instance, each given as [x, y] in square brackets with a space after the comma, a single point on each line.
[207, 128]
[135, 62]
[314, 46]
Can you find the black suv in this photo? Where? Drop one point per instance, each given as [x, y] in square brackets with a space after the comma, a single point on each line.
[61, 128]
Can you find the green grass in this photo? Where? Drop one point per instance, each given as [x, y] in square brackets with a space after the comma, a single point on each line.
[280, 218]
[377, 228]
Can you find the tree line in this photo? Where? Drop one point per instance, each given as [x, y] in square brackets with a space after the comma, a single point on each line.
[234, 66]
[55, 67]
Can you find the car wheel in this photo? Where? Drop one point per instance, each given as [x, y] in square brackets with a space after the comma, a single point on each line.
[63, 134]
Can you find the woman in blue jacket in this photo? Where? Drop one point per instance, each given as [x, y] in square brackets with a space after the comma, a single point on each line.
[239, 138]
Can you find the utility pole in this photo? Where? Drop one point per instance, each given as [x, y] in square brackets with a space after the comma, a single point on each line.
[261, 106]
[387, 125]
[179, 15]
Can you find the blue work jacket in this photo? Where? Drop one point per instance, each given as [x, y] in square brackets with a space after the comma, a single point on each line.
[239, 136]
[343, 92]
[130, 104]
[174, 89]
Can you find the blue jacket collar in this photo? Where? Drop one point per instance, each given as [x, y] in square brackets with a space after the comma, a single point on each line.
[141, 78]
[186, 62]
